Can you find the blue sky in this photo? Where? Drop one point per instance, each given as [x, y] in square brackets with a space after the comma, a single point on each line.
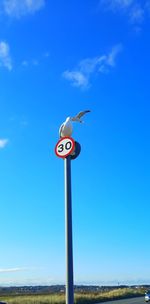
[56, 59]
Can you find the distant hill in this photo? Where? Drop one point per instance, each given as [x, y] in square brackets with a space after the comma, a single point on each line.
[34, 290]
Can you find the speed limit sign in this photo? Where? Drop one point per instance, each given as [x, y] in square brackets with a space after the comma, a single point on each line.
[64, 147]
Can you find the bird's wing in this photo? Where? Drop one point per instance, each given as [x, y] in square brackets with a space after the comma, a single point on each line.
[80, 114]
[60, 129]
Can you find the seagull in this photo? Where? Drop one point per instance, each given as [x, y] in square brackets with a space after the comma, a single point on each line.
[66, 128]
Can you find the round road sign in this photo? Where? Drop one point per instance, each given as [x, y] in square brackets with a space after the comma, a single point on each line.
[76, 151]
[64, 147]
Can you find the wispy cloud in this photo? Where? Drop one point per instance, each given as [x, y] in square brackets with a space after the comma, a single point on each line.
[137, 14]
[77, 78]
[46, 54]
[27, 63]
[3, 142]
[81, 75]
[19, 8]
[117, 4]
[135, 10]
[35, 61]
[5, 58]
[4, 270]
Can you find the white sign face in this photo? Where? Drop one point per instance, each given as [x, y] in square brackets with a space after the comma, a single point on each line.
[64, 147]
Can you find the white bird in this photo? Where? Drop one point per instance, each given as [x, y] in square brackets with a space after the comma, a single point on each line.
[66, 128]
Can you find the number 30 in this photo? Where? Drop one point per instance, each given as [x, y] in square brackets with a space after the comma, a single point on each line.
[67, 146]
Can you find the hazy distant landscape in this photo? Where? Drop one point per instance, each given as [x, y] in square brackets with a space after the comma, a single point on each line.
[56, 294]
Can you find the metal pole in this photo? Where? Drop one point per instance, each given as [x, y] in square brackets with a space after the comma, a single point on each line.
[68, 221]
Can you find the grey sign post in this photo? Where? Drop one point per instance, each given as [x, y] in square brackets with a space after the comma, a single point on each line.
[69, 150]
[68, 227]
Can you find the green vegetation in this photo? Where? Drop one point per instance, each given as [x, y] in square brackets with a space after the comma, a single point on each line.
[80, 298]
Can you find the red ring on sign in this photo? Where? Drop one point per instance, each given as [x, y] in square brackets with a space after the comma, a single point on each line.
[73, 146]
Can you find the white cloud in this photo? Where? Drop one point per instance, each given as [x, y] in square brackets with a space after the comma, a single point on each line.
[25, 63]
[3, 143]
[80, 76]
[137, 14]
[117, 4]
[77, 78]
[30, 63]
[147, 5]
[18, 8]
[5, 58]
[4, 270]
[111, 58]
[35, 61]
[46, 54]
[135, 10]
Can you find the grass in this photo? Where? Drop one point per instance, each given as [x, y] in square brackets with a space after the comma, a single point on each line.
[80, 298]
